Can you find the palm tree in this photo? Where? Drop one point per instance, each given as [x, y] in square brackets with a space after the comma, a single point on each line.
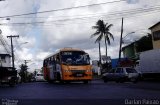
[99, 33]
[102, 31]
[108, 35]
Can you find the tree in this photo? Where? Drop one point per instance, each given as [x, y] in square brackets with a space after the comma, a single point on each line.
[23, 72]
[108, 35]
[99, 33]
[145, 40]
[102, 31]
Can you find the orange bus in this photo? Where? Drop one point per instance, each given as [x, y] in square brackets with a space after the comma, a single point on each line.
[68, 64]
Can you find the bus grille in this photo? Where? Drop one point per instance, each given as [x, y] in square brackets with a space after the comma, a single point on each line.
[78, 71]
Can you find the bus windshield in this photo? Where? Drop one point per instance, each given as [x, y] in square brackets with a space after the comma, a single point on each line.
[75, 58]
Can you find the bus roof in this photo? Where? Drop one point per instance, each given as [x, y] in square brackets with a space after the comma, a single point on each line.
[70, 49]
[64, 49]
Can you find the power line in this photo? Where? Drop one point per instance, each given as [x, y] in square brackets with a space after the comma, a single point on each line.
[95, 14]
[4, 43]
[62, 9]
[6, 49]
[125, 12]
[85, 20]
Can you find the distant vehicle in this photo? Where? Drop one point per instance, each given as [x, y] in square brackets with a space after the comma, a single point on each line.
[149, 64]
[67, 65]
[19, 78]
[121, 74]
[8, 74]
[39, 77]
[95, 67]
[33, 79]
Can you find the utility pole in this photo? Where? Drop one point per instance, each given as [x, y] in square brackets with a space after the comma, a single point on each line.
[12, 48]
[25, 62]
[120, 47]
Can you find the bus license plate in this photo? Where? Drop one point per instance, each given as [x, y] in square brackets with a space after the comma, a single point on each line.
[79, 75]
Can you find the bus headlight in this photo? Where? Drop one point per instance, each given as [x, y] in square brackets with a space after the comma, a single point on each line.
[9, 78]
[88, 70]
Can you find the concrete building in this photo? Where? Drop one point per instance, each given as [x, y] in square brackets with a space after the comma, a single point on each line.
[155, 30]
[5, 60]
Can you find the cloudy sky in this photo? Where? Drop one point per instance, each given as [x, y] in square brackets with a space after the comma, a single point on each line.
[68, 23]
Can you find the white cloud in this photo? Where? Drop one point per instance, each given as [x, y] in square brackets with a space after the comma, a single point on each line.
[24, 54]
[42, 55]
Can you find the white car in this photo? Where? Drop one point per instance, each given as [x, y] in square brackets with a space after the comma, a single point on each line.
[39, 77]
[122, 74]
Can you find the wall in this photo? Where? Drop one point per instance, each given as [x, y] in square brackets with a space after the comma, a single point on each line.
[129, 51]
[156, 44]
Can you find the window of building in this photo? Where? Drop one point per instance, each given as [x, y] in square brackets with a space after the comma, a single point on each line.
[3, 60]
[156, 35]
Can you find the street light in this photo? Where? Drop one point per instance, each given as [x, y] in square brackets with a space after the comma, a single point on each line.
[32, 64]
[19, 45]
[121, 41]
[126, 36]
[23, 43]
[8, 19]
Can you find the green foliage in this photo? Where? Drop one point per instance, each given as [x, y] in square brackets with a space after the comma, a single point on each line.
[23, 72]
[144, 44]
[102, 31]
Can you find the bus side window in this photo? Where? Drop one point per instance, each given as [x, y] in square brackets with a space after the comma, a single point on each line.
[57, 59]
[50, 61]
[54, 64]
[47, 62]
[44, 63]
[53, 61]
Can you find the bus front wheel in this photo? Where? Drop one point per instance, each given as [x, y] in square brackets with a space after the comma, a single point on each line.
[85, 82]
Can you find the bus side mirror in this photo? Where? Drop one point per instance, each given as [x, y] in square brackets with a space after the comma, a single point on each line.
[87, 56]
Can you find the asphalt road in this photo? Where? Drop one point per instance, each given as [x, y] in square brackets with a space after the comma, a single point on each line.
[94, 93]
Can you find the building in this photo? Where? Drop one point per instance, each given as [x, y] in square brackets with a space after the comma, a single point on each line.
[133, 50]
[5, 60]
[129, 51]
[155, 30]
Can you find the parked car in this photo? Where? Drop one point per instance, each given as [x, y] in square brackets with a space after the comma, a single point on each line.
[39, 77]
[33, 79]
[121, 74]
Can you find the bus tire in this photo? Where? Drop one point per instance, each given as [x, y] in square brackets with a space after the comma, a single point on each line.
[61, 82]
[85, 82]
[12, 83]
[58, 76]
[67, 82]
[50, 81]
